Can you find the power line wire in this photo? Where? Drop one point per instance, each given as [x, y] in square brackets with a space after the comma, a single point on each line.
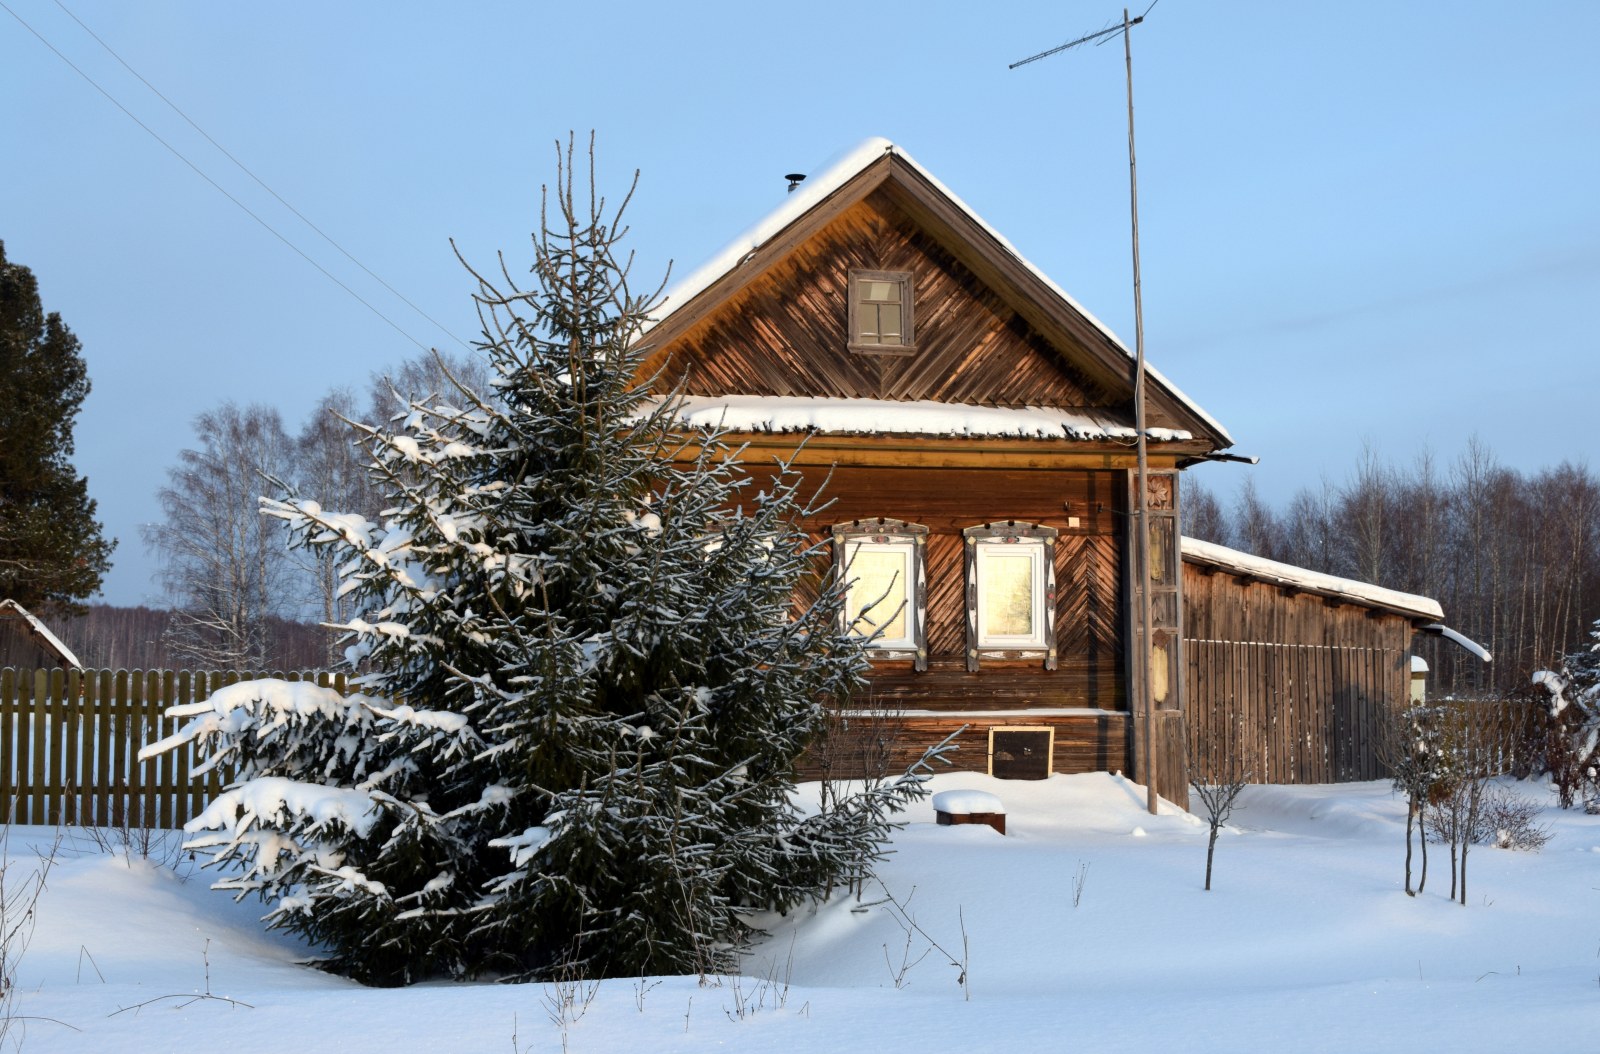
[217, 186]
[259, 181]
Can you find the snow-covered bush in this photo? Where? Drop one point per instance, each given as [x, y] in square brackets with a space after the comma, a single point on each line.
[592, 676]
[1572, 743]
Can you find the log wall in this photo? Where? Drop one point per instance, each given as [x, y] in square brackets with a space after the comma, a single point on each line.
[1090, 607]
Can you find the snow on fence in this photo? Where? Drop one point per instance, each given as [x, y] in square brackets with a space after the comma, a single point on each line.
[70, 740]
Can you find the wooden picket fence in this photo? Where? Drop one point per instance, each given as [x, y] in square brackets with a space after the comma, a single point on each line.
[70, 742]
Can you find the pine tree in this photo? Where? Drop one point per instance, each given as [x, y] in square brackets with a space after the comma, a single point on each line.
[51, 550]
[601, 676]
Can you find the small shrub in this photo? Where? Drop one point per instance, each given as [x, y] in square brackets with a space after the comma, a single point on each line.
[1504, 819]
[1510, 818]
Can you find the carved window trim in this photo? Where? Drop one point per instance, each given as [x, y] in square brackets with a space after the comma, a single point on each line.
[858, 300]
[913, 539]
[975, 542]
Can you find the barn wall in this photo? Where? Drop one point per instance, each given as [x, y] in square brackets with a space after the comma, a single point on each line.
[1290, 685]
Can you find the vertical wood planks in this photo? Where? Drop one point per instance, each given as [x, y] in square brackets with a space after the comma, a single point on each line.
[70, 741]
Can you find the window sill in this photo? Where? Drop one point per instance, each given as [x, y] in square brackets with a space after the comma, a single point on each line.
[883, 349]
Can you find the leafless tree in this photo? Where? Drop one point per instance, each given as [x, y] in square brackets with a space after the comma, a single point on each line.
[1219, 774]
[1255, 527]
[329, 463]
[428, 377]
[1311, 529]
[1410, 745]
[1203, 516]
[1367, 508]
[223, 564]
[1478, 743]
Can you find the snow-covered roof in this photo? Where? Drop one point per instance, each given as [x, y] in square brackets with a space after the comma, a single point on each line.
[1461, 639]
[40, 630]
[756, 413]
[1196, 551]
[1419, 664]
[838, 171]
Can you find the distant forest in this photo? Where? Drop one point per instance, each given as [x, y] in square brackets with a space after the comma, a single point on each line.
[137, 638]
[1513, 557]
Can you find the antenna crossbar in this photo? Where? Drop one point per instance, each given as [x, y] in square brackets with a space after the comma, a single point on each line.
[1118, 28]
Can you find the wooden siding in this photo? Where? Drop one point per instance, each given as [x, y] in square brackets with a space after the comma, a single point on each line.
[786, 333]
[1294, 686]
[1083, 742]
[1089, 604]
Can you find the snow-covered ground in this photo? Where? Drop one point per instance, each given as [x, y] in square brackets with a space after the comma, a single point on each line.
[1085, 928]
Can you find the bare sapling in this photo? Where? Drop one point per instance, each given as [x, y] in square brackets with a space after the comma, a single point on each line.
[1411, 745]
[186, 999]
[1218, 775]
[1478, 745]
[900, 911]
[20, 889]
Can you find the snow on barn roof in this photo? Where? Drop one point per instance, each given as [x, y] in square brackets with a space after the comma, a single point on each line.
[1196, 551]
[12, 609]
[756, 413]
[838, 171]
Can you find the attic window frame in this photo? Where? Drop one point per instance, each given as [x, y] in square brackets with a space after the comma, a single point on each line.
[857, 296]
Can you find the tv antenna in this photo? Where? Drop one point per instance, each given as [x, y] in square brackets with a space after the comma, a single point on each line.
[1145, 702]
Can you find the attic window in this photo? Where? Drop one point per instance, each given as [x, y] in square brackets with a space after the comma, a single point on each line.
[881, 311]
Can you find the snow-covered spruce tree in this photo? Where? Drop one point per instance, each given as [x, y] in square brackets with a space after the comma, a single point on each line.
[1572, 740]
[593, 676]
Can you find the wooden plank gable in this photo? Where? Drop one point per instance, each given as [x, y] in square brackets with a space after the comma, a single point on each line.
[786, 332]
[990, 330]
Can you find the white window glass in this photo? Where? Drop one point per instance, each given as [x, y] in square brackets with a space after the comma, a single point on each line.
[880, 582]
[1011, 594]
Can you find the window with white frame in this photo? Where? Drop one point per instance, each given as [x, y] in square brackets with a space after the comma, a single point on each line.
[1011, 592]
[885, 584]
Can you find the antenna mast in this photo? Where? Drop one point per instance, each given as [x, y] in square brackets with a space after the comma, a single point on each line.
[1144, 702]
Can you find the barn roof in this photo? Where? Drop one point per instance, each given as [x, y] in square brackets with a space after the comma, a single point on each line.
[851, 177]
[1247, 565]
[10, 609]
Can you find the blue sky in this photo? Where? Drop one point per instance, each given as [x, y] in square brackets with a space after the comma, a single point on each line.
[1362, 222]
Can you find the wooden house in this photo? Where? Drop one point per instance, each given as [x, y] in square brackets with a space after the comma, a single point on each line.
[974, 426]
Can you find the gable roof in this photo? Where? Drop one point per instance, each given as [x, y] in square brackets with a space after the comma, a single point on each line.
[847, 180]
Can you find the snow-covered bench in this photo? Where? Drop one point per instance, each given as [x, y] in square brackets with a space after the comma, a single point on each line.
[955, 807]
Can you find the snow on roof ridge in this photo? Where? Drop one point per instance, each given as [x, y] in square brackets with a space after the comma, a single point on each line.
[836, 172]
[1314, 581]
[766, 413]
